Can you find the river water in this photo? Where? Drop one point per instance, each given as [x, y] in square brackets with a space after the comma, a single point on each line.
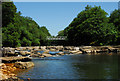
[82, 66]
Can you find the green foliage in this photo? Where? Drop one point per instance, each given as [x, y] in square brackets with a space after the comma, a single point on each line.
[21, 31]
[115, 19]
[61, 33]
[25, 42]
[91, 27]
[36, 42]
[8, 12]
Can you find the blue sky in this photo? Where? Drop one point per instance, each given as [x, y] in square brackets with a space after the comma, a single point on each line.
[58, 15]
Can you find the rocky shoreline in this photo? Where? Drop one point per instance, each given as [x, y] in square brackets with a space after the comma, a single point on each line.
[20, 58]
[10, 65]
[8, 70]
[48, 51]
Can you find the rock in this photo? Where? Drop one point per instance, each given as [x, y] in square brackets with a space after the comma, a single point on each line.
[104, 49]
[12, 75]
[47, 55]
[34, 55]
[15, 78]
[76, 48]
[88, 50]
[76, 52]
[25, 53]
[113, 50]
[73, 52]
[52, 49]
[67, 48]
[59, 47]
[2, 66]
[86, 47]
[28, 79]
[7, 72]
[39, 53]
[35, 50]
[22, 53]
[14, 59]
[47, 51]
[24, 65]
[60, 53]
[7, 50]
[41, 56]
[29, 48]
[3, 76]
[79, 52]
[12, 53]
[43, 47]
[17, 49]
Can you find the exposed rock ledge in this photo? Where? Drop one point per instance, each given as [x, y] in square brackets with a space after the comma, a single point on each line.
[24, 65]
[7, 72]
[14, 59]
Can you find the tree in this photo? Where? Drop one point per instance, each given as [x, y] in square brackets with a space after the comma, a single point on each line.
[8, 13]
[91, 27]
[25, 42]
[115, 19]
[18, 30]
[61, 33]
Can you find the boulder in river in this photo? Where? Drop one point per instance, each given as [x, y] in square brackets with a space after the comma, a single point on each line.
[24, 65]
[22, 53]
[47, 51]
[25, 53]
[52, 49]
[73, 52]
[14, 59]
[60, 53]
[39, 53]
[42, 56]
[79, 52]
[12, 53]
[47, 55]
[34, 55]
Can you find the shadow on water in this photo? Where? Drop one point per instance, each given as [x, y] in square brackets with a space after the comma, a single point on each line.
[74, 67]
[98, 67]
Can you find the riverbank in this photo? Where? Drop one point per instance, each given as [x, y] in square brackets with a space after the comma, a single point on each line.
[49, 51]
[7, 72]
[20, 57]
[10, 66]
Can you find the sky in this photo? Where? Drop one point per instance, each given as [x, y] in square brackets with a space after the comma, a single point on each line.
[58, 15]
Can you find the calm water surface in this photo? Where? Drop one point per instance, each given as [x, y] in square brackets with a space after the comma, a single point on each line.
[74, 67]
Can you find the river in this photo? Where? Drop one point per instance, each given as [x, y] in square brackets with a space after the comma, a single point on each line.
[82, 66]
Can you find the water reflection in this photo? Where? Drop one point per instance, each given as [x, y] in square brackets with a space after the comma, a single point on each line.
[99, 67]
[74, 67]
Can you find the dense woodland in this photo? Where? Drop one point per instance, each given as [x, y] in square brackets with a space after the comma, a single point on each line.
[92, 26]
[18, 30]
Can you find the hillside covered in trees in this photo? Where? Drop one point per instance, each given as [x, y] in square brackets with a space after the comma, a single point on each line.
[18, 30]
[93, 27]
